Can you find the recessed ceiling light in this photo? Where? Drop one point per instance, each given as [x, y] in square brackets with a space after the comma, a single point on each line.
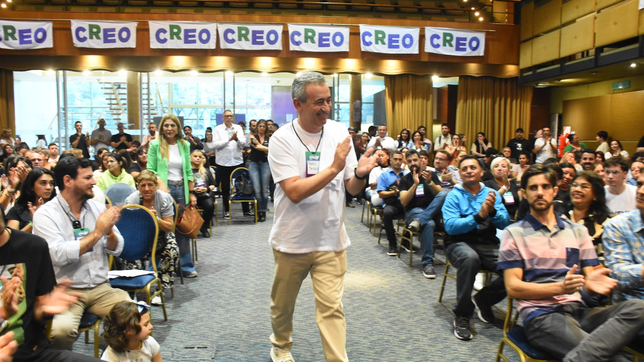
[264, 74]
[633, 65]
[86, 72]
[194, 72]
[122, 72]
[298, 74]
[481, 18]
[158, 73]
[368, 75]
[3, 5]
[473, 8]
[335, 75]
[477, 13]
[435, 78]
[229, 73]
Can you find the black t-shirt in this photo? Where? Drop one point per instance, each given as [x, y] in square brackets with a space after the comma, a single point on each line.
[407, 181]
[257, 155]
[134, 167]
[21, 213]
[117, 138]
[641, 142]
[31, 254]
[82, 143]
[518, 147]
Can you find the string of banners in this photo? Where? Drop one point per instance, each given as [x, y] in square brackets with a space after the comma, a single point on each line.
[21, 35]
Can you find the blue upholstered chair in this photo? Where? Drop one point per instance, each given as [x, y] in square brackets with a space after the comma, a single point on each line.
[140, 231]
[118, 192]
[515, 337]
[239, 198]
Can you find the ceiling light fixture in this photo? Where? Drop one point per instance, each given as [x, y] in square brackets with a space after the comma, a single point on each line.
[477, 13]
[86, 72]
[481, 18]
[3, 5]
[633, 65]
[229, 73]
[368, 75]
[194, 72]
[123, 72]
[435, 78]
[298, 74]
[158, 73]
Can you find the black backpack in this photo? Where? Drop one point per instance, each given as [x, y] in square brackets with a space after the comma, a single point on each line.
[243, 186]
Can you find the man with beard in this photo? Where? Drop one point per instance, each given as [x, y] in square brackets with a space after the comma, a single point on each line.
[80, 234]
[518, 144]
[371, 192]
[547, 263]
[588, 160]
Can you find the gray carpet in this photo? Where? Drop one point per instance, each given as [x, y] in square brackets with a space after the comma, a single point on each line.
[392, 310]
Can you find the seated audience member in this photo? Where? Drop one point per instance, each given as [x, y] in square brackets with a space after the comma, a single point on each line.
[16, 169]
[588, 159]
[389, 191]
[507, 153]
[624, 247]
[572, 159]
[480, 145]
[616, 149]
[636, 166]
[21, 148]
[601, 138]
[568, 173]
[428, 142]
[115, 172]
[31, 297]
[204, 184]
[420, 194]
[419, 142]
[472, 212]
[509, 192]
[53, 154]
[490, 155]
[588, 199]
[127, 159]
[7, 150]
[404, 140]
[455, 148]
[446, 173]
[620, 197]
[445, 139]
[161, 205]
[639, 157]
[99, 165]
[521, 167]
[574, 145]
[561, 206]
[547, 261]
[382, 141]
[80, 234]
[371, 191]
[128, 332]
[37, 189]
[140, 164]
[598, 168]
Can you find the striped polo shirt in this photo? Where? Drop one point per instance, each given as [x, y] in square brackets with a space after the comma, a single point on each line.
[545, 256]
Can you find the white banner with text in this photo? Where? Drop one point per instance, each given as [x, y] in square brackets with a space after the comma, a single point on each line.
[19, 35]
[456, 42]
[389, 39]
[104, 34]
[310, 38]
[182, 35]
[250, 37]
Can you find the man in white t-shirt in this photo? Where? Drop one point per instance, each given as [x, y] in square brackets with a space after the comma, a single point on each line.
[444, 140]
[382, 141]
[545, 147]
[371, 192]
[620, 197]
[312, 162]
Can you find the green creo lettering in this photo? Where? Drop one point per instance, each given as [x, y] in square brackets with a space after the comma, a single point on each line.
[380, 37]
[9, 32]
[309, 35]
[447, 39]
[175, 32]
[94, 32]
[243, 32]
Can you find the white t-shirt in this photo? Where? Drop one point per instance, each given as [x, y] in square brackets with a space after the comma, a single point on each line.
[547, 151]
[618, 204]
[175, 168]
[317, 222]
[149, 348]
[387, 143]
[373, 176]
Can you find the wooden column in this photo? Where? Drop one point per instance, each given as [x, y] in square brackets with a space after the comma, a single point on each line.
[133, 103]
[356, 101]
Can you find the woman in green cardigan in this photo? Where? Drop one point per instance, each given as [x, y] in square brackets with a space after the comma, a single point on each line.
[169, 157]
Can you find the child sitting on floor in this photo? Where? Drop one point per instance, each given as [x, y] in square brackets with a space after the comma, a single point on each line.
[127, 333]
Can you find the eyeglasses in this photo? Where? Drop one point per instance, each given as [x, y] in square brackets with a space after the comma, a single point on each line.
[583, 186]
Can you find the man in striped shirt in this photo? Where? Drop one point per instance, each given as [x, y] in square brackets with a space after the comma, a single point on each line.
[548, 262]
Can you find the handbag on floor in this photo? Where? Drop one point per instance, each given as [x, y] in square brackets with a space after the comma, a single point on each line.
[190, 222]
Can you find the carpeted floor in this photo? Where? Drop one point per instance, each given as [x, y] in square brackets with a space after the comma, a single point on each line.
[392, 310]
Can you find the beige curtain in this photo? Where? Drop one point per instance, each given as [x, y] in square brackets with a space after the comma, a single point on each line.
[409, 103]
[7, 112]
[494, 106]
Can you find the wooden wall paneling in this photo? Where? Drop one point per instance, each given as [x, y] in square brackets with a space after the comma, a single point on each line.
[525, 56]
[617, 23]
[546, 47]
[578, 36]
[587, 116]
[602, 4]
[547, 17]
[625, 119]
[575, 9]
[527, 14]
[641, 25]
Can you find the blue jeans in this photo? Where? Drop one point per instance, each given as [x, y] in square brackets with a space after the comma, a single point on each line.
[427, 225]
[187, 267]
[260, 176]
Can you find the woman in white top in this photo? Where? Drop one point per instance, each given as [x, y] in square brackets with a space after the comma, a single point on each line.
[616, 149]
[521, 167]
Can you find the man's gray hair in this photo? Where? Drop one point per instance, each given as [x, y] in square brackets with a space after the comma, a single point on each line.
[300, 82]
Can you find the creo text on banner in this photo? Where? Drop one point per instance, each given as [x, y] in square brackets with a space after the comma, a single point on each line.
[19, 35]
[182, 35]
[309, 38]
[250, 37]
[389, 39]
[104, 34]
[455, 42]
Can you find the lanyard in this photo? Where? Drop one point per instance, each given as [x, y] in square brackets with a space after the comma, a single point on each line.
[76, 224]
[298, 137]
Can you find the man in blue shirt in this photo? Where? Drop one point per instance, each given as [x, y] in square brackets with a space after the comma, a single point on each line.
[389, 192]
[472, 212]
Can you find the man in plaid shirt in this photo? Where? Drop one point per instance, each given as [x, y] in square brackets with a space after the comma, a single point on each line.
[623, 240]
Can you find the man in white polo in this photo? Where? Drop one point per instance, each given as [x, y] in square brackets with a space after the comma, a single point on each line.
[313, 162]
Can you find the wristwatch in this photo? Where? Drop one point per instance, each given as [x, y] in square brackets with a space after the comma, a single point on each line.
[355, 172]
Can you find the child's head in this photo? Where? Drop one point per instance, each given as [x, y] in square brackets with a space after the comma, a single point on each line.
[126, 321]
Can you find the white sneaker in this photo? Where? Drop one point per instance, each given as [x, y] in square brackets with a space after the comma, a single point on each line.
[281, 355]
[156, 300]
